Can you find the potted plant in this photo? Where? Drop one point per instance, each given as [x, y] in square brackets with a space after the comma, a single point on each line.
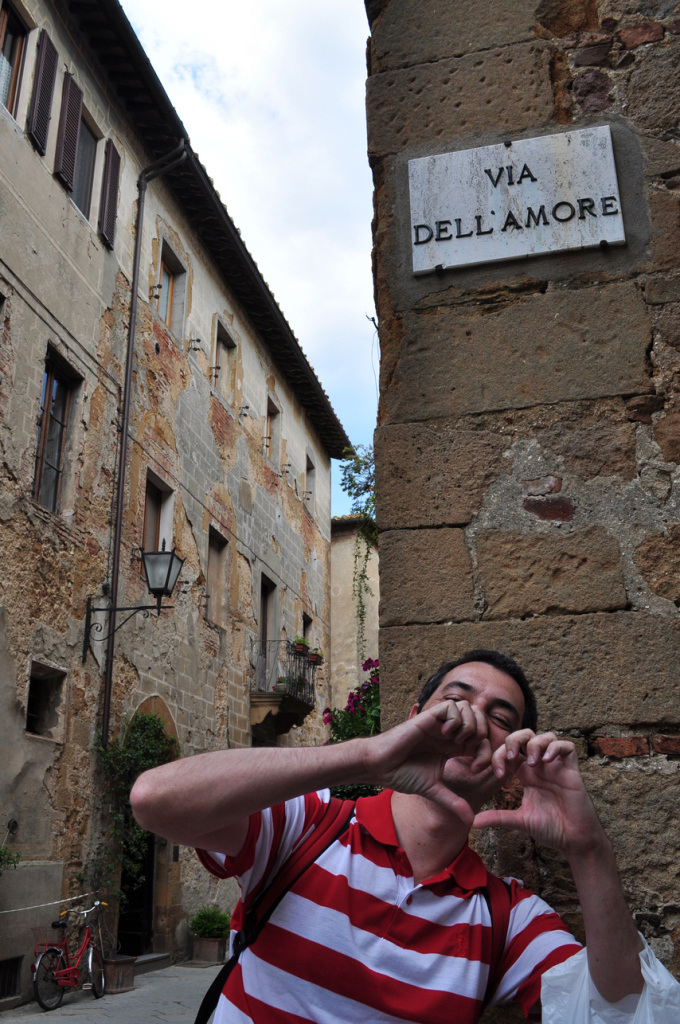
[316, 656]
[210, 930]
[281, 685]
[301, 645]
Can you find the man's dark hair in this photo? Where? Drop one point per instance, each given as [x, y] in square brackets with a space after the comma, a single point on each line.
[497, 660]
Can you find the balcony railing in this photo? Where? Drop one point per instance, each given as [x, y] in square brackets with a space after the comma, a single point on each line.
[280, 668]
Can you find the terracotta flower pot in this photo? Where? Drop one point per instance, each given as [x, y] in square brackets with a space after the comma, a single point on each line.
[209, 950]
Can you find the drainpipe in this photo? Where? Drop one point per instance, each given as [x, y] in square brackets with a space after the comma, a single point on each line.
[161, 166]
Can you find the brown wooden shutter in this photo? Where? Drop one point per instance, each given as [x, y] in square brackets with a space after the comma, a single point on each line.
[43, 91]
[109, 204]
[69, 130]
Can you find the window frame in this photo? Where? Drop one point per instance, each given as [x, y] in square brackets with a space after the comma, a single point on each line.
[15, 81]
[217, 606]
[225, 350]
[86, 208]
[165, 517]
[167, 316]
[54, 371]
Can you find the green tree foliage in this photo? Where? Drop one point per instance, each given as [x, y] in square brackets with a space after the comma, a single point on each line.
[145, 746]
[358, 481]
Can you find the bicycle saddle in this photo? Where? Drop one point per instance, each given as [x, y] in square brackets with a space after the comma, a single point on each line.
[60, 924]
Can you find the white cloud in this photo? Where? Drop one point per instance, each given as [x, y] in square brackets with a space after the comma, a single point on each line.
[272, 95]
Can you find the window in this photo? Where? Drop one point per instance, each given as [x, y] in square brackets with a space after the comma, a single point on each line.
[108, 207]
[225, 350]
[44, 714]
[306, 626]
[55, 402]
[216, 597]
[12, 41]
[157, 514]
[272, 436]
[310, 483]
[171, 291]
[84, 169]
[165, 290]
[267, 591]
[10, 973]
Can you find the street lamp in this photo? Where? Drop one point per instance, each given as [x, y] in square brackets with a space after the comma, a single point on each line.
[161, 570]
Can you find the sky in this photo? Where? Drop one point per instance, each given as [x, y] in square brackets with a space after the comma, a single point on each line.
[272, 95]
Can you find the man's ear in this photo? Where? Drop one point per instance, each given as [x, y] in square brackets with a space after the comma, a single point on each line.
[414, 711]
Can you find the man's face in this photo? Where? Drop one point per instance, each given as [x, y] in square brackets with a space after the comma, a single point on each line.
[501, 700]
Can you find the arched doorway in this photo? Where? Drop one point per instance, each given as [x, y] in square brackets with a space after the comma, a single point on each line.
[146, 922]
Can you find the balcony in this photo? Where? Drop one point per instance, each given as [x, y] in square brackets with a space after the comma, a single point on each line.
[283, 691]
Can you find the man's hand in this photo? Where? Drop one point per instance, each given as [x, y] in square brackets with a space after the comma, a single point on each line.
[556, 809]
[411, 757]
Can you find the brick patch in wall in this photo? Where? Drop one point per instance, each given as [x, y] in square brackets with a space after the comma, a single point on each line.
[620, 746]
[666, 745]
[555, 509]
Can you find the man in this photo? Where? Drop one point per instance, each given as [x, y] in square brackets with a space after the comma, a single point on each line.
[393, 921]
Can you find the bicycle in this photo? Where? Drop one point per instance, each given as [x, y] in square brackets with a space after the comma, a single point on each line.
[54, 971]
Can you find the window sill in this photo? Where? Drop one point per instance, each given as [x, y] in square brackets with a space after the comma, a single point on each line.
[43, 739]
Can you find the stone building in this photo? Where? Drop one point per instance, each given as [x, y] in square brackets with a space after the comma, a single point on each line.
[528, 447]
[346, 657]
[229, 447]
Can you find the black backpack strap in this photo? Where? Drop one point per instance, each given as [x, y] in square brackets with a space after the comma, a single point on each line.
[498, 895]
[340, 811]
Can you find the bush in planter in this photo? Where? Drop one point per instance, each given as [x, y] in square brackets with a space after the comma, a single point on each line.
[210, 923]
[210, 928]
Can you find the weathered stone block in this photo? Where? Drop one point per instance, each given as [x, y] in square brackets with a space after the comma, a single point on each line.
[591, 447]
[592, 91]
[658, 561]
[533, 574]
[426, 477]
[620, 746]
[506, 90]
[663, 248]
[667, 436]
[560, 346]
[419, 33]
[425, 576]
[646, 837]
[661, 158]
[638, 35]
[654, 89]
[662, 289]
[588, 671]
[564, 16]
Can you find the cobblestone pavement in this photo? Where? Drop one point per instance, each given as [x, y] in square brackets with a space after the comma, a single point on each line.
[172, 995]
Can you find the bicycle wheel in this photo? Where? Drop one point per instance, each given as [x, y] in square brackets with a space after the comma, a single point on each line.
[48, 993]
[95, 963]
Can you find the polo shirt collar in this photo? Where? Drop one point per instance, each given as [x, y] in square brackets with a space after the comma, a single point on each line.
[374, 813]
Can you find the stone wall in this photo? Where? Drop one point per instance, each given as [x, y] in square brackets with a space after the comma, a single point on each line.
[528, 445]
[201, 437]
[346, 659]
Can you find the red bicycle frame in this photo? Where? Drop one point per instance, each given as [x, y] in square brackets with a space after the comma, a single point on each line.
[69, 976]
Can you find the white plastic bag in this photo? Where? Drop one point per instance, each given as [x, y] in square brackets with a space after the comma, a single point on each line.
[568, 995]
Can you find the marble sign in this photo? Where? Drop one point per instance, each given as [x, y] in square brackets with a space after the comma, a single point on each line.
[516, 199]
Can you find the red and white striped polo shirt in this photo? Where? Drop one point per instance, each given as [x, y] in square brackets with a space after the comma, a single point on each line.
[356, 940]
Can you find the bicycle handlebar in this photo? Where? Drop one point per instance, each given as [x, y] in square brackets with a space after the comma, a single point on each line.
[77, 910]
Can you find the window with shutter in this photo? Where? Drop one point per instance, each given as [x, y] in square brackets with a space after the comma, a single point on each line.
[69, 132]
[109, 204]
[84, 170]
[43, 91]
[12, 41]
[59, 383]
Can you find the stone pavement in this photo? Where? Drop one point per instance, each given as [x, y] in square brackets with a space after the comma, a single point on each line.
[171, 995]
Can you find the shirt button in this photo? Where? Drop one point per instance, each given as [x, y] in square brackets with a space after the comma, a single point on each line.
[409, 900]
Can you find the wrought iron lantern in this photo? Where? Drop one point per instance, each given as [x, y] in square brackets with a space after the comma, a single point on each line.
[161, 571]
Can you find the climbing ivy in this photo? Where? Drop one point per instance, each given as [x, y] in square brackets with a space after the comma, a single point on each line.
[358, 481]
[145, 746]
